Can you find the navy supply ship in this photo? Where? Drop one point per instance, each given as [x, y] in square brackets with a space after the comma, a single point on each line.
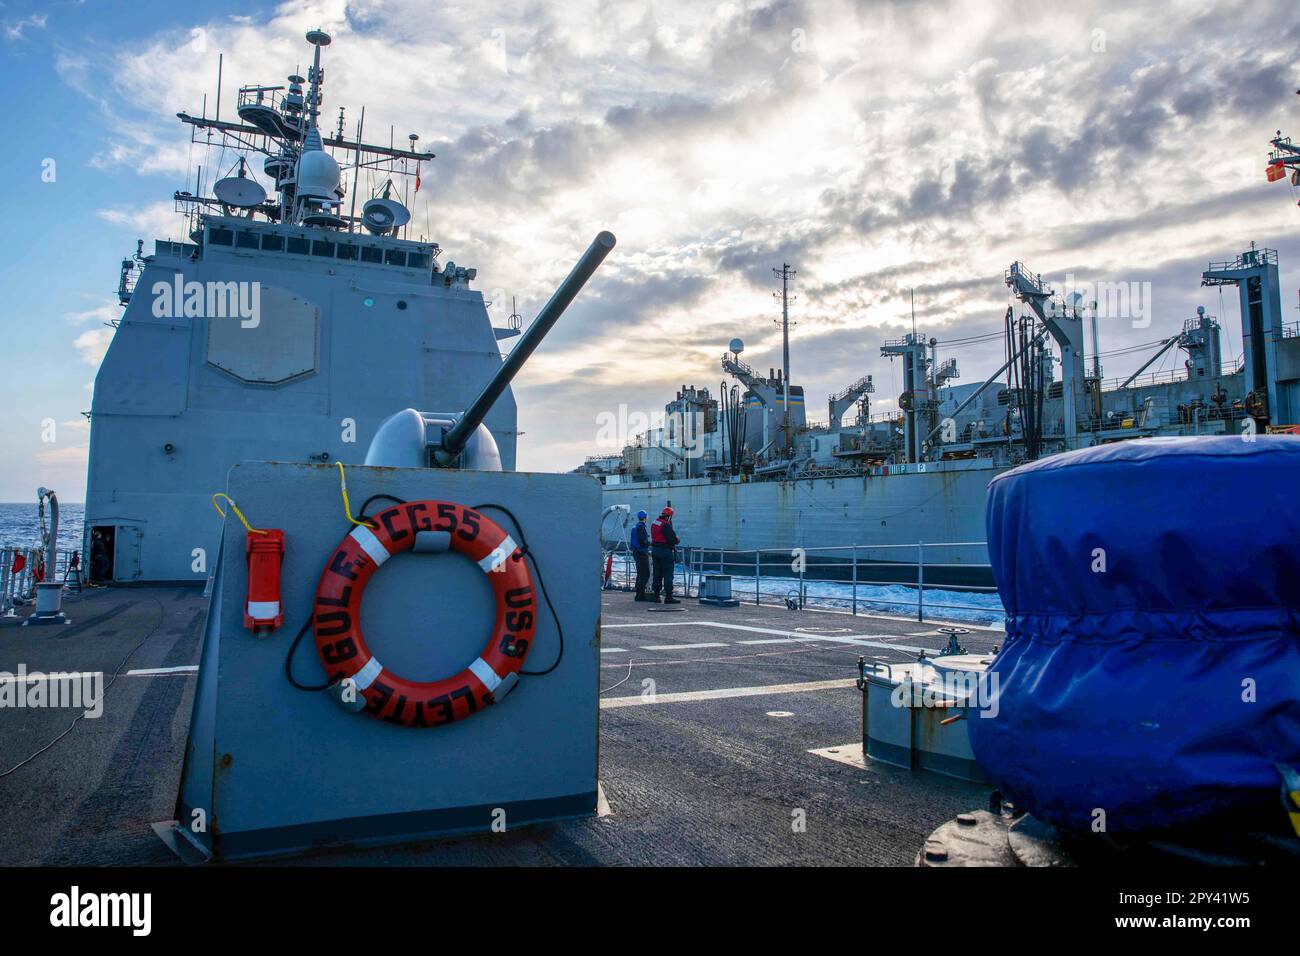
[746, 470]
[288, 324]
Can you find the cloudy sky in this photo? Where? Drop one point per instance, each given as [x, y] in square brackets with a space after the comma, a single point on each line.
[878, 148]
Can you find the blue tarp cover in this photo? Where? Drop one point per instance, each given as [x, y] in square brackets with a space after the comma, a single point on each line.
[1163, 689]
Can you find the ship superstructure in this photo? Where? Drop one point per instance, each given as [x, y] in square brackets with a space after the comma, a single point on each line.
[285, 328]
[919, 473]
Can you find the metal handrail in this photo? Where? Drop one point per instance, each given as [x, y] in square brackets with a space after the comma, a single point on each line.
[701, 561]
[19, 589]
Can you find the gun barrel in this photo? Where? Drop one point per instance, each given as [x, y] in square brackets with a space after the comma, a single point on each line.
[454, 441]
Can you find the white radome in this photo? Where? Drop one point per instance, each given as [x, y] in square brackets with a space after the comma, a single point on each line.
[318, 174]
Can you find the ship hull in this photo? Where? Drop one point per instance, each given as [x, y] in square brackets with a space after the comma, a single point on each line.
[888, 519]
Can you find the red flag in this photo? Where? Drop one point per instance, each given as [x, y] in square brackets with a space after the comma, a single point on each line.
[20, 562]
[417, 179]
[1275, 171]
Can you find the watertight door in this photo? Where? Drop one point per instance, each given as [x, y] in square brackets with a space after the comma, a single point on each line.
[126, 553]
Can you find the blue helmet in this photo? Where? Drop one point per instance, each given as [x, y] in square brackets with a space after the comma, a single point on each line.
[641, 516]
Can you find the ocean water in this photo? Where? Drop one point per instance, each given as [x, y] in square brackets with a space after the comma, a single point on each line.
[20, 525]
[967, 607]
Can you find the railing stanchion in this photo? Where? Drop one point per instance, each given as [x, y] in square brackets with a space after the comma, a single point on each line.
[920, 580]
[802, 561]
[758, 574]
[4, 580]
[855, 580]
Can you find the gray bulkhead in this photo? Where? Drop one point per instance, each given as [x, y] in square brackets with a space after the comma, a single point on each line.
[181, 398]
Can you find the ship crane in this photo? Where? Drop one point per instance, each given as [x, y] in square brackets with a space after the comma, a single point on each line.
[1065, 325]
[946, 372]
[768, 395]
[1029, 346]
[1200, 339]
[1255, 274]
[915, 397]
[841, 402]
[1165, 346]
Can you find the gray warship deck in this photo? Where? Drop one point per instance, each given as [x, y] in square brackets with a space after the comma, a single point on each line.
[710, 770]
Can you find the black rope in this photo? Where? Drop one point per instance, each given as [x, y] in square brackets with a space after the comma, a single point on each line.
[524, 552]
[366, 504]
[293, 648]
[288, 661]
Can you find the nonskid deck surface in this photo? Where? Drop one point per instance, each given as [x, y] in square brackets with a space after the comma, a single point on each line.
[709, 764]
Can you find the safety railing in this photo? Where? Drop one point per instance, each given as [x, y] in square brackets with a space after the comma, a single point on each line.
[18, 574]
[784, 576]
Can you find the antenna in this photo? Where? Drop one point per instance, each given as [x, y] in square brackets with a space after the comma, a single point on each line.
[239, 191]
[406, 195]
[382, 216]
[356, 170]
[317, 38]
[296, 149]
[784, 274]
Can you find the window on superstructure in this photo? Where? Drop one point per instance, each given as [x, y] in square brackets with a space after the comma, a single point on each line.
[221, 237]
[272, 243]
[322, 247]
[247, 240]
[347, 251]
[297, 245]
[372, 254]
[395, 257]
[417, 260]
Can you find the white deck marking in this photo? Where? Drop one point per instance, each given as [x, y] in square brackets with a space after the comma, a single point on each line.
[679, 647]
[664, 624]
[154, 671]
[727, 692]
[613, 650]
[43, 676]
[858, 640]
[775, 640]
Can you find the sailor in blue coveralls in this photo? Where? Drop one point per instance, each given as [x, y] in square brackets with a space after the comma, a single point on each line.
[640, 545]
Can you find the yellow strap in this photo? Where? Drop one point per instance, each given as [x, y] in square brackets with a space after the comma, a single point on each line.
[235, 508]
[347, 508]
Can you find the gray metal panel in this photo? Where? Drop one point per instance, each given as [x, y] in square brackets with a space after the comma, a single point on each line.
[155, 388]
[275, 346]
[279, 758]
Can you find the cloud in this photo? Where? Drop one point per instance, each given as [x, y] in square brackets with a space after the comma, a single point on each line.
[15, 29]
[105, 314]
[92, 345]
[883, 149]
[156, 220]
[64, 455]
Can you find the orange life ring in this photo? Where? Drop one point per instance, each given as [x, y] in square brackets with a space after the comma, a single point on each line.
[336, 615]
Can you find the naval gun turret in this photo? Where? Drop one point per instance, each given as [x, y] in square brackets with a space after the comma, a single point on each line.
[485, 573]
[416, 439]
